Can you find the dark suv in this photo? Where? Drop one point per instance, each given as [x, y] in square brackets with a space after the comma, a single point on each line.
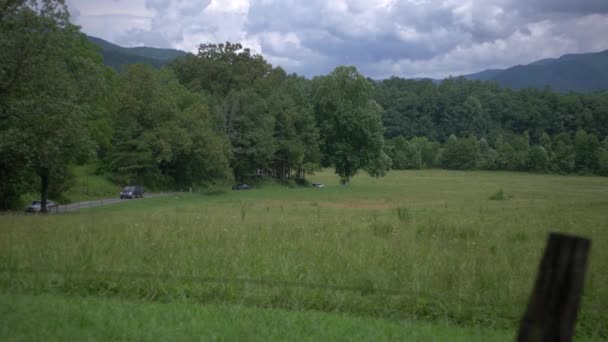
[241, 186]
[132, 192]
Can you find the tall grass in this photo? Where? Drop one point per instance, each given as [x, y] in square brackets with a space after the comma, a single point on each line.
[89, 185]
[452, 254]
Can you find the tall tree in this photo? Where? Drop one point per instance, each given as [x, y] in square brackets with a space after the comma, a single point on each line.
[564, 153]
[49, 73]
[295, 131]
[460, 154]
[585, 151]
[350, 123]
[164, 134]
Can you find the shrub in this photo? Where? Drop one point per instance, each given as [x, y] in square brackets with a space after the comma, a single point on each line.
[404, 214]
[498, 196]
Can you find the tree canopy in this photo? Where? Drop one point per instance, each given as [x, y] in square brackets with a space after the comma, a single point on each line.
[350, 123]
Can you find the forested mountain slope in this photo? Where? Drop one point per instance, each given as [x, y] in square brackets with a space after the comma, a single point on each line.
[117, 56]
[587, 72]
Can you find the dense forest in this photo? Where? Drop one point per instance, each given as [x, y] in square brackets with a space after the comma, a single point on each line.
[225, 114]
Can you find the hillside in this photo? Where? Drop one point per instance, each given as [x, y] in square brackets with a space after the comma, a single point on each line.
[116, 56]
[586, 72]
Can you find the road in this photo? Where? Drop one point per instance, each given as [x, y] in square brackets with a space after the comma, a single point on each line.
[97, 203]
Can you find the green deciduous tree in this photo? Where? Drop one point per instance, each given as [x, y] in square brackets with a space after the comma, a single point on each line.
[49, 76]
[488, 157]
[295, 131]
[563, 151]
[164, 135]
[602, 158]
[460, 154]
[585, 151]
[538, 159]
[350, 123]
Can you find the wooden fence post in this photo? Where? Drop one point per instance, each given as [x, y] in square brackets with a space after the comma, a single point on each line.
[553, 306]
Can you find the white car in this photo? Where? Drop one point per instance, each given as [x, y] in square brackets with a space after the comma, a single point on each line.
[36, 206]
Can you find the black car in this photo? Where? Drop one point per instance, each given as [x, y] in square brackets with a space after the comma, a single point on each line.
[132, 192]
[241, 186]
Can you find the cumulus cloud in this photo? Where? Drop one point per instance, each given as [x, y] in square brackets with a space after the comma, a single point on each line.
[409, 38]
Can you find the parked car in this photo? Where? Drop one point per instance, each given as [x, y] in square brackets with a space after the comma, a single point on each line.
[132, 192]
[318, 185]
[36, 206]
[241, 186]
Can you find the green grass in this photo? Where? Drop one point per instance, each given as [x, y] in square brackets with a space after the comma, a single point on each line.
[55, 318]
[415, 245]
[89, 186]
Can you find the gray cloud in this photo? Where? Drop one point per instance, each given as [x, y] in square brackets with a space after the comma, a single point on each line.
[410, 38]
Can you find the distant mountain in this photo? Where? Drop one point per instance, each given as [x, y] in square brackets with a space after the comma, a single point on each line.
[585, 72]
[485, 75]
[117, 56]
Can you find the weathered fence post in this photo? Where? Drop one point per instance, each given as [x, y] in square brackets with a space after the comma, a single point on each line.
[553, 306]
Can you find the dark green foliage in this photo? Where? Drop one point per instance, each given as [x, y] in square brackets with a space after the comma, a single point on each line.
[416, 153]
[488, 157]
[563, 153]
[50, 75]
[220, 69]
[403, 154]
[267, 115]
[295, 131]
[163, 135]
[524, 130]
[498, 196]
[460, 154]
[538, 159]
[460, 107]
[250, 129]
[602, 158]
[404, 214]
[585, 149]
[350, 123]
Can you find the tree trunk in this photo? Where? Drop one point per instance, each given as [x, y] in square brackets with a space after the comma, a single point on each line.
[45, 176]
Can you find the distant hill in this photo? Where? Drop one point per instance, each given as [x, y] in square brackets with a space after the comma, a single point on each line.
[485, 75]
[117, 56]
[585, 72]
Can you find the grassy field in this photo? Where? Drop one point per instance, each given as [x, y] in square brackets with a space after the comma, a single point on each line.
[421, 245]
[54, 318]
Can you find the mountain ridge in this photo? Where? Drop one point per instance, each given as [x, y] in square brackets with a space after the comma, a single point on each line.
[117, 57]
[584, 72]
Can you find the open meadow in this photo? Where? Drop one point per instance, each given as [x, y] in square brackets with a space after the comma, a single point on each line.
[427, 246]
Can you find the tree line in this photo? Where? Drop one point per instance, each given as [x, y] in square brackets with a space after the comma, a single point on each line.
[461, 124]
[225, 114]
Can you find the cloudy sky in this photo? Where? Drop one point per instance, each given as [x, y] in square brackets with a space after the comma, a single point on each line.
[407, 38]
